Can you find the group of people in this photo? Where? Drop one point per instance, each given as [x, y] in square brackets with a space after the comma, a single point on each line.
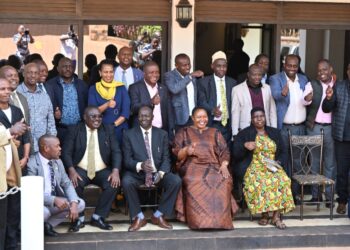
[188, 136]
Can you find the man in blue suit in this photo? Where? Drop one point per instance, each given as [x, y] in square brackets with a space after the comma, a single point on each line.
[182, 86]
[287, 89]
[124, 72]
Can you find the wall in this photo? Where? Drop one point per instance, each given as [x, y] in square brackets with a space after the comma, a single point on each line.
[336, 51]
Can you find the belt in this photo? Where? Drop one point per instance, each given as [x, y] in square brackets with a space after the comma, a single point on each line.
[323, 124]
[293, 124]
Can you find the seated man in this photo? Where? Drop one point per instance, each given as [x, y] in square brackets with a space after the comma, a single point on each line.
[91, 155]
[60, 199]
[141, 161]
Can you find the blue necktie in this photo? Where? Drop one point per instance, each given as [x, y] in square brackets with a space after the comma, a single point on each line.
[124, 78]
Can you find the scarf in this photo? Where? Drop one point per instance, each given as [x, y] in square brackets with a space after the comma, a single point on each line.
[108, 90]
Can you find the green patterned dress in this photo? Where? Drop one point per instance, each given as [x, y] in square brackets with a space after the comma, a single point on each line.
[264, 190]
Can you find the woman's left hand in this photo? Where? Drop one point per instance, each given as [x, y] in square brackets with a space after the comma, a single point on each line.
[224, 172]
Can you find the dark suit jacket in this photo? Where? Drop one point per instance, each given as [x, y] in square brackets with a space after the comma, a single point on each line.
[207, 94]
[24, 103]
[74, 146]
[55, 91]
[134, 149]
[17, 116]
[177, 86]
[244, 157]
[139, 96]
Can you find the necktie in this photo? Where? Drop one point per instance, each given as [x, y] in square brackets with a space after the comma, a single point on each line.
[124, 78]
[148, 180]
[15, 100]
[223, 104]
[91, 157]
[52, 175]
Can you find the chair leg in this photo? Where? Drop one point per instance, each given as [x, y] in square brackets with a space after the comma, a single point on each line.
[301, 202]
[318, 197]
[332, 201]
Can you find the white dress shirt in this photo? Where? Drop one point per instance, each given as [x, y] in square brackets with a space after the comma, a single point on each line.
[296, 112]
[190, 95]
[218, 94]
[157, 113]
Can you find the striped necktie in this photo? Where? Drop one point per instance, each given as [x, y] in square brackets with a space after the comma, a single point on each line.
[148, 179]
[52, 176]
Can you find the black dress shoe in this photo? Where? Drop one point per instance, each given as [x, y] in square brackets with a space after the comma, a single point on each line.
[101, 224]
[76, 225]
[49, 231]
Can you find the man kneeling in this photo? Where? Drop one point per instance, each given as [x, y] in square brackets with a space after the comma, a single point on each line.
[60, 199]
[146, 161]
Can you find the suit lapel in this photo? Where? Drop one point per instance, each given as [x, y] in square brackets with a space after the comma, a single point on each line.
[144, 91]
[228, 93]
[154, 142]
[4, 120]
[101, 139]
[82, 137]
[212, 89]
[141, 140]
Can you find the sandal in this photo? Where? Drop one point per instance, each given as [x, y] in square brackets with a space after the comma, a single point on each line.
[278, 224]
[264, 220]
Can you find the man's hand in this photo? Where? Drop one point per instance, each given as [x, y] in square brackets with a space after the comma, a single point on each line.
[250, 145]
[156, 178]
[217, 112]
[73, 211]
[191, 149]
[19, 128]
[285, 89]
[111, 104]
[155, 99]
[114, 178]
[57, 113]
[146, 166]
[197, 73]
[329, 92]
[23, 162]
[308, 97]
[61, 203]
[74, 176]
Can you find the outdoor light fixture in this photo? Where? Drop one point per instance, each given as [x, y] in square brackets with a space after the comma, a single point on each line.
[183, 13]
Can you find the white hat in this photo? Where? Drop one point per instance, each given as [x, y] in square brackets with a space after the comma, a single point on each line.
[218, 55]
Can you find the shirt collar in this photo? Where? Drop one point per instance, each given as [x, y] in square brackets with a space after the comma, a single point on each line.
[295, 80]
[89, 129]
[25, 89]
[126, 70]
[43, 160]
[217, 79]
[144, 130]
[179, 73]
[149, 86]
[61, 81]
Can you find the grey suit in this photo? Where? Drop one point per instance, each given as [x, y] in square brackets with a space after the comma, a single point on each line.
[177, 86]
[64, 188]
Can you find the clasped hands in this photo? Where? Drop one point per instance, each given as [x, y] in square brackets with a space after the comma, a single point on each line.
[146, 167]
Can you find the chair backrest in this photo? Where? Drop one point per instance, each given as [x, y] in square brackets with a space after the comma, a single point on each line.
[304, 150]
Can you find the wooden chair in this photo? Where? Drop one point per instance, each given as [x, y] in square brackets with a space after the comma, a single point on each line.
[304, 149]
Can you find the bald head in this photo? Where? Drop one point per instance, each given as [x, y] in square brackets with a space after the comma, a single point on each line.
[125, 57]
[49, 147]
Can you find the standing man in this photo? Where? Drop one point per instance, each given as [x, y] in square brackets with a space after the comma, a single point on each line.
[146, 161]
[251, 94]
[264, 62]
[214, 94]
[124, 72]
[43, 73]
[40, 108]
[91, 154]
[183, 89]
[148, 92]
[60, 199]
[22, 40]
[337, 101]
[69, 97]
[316, 119]
[17, 99]
[10, 174]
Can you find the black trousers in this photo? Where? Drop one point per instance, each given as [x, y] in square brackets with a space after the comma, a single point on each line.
[342, 156]
[10, 212]
[106, 199]
[171, 184]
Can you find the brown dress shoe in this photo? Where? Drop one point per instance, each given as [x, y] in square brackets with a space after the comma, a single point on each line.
[161, 222]
[341, 209]
[137, 224]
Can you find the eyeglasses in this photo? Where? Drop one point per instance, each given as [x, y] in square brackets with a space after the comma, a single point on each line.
[95, 116]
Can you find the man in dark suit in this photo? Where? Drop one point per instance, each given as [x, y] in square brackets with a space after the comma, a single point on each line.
[17, 99]
[60, 199]
[69, 96]
[182, 86]
[214, 94]
[125, 72]
[148, 92]
[146, 155]
[10, 170]
[91, 154]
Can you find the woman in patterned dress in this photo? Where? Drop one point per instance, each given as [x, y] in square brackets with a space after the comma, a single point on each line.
[205, 200]
[265, 190]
